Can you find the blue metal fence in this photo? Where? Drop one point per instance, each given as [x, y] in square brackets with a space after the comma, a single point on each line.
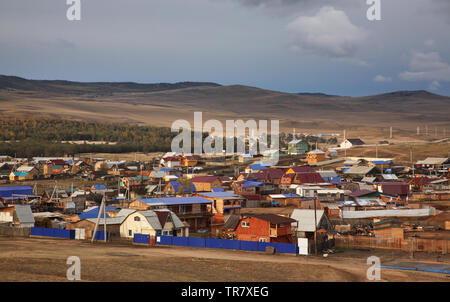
[57, 233]
[100, 235]
[227, 244]
[141, 238]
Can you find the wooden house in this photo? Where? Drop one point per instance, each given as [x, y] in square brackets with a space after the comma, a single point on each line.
[206, 183]
[17, 216]
[315, 156]
[298, 146]
[387, 229]
[265, 228]
[191, 210]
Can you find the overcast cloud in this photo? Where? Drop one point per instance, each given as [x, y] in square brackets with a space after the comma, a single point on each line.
[250, 42]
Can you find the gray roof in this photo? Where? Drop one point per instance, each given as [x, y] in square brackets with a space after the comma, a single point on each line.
[24, 213]
[231, 222]
[433, 161]
[111, 220]
[329, 173]
[305, 219]
[368, 179]
[359, 170]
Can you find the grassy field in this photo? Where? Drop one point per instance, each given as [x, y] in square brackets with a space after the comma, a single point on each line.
[45, 260]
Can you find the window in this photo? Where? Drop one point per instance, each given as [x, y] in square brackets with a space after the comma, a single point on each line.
[137, 218]
[262, 240]
[245, 224]
[130, 233]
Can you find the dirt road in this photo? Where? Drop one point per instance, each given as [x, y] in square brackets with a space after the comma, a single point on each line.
[31, 259]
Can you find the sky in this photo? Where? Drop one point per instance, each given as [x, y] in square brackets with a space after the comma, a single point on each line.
[326, 46]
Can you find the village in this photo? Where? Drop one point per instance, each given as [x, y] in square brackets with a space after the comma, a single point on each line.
[316, 202]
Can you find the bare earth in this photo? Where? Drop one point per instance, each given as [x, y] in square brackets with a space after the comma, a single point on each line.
[31, 259]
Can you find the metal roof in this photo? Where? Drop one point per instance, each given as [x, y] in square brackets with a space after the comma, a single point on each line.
[433, 161]
[359, 170]
[224, 195]
[175, 200]
[305, 219]
[24, 214]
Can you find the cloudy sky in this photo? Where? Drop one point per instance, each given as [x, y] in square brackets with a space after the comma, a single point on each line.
[324, 46]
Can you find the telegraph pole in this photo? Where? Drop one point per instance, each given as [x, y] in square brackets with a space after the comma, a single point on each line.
[315, 222]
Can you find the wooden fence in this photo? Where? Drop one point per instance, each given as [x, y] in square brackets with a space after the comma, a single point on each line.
[410, 244]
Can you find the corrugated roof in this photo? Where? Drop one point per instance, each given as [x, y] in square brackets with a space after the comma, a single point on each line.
[433, 161]
[24, 213]
[175, 200]
[305, 219]
[225, 195]
[7, 192]
[359, 170]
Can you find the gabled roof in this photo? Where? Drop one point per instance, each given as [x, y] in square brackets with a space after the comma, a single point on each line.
[356, 141]
[362, 193]
[251, 184]
[25, 168]
[93, 213]
[309, 177]
[257, 167]
[274, 219]
[177, 186]
[24, 213]
[208, 179]
[359, 170]
[99, 187]
[298, 169]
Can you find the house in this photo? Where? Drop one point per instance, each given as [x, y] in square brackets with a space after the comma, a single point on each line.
[286, 199]
[254, 168]
[17, 216]
[189, 160]
[432, 163]
[400, 189]
[315, 156]
[24, 173]
[54, 166]
[329, 176]
[251, 190]
[245, 157]
[171, 161]
[272, 175]
[175, 187]
[352, 142]
[265, 228]
[305, 222]
[93, 213]
[358, 172]
[10, 193]
[387, 229]
[298, 146]
[191, 210]
[307, 177]
[206, 183]
[298, 169]
[224, 203]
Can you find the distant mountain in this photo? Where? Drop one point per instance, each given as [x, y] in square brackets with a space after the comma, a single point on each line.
[317, 94]
[58, 86]
[161, 104]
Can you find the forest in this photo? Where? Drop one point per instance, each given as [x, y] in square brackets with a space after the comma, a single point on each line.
[43, 137]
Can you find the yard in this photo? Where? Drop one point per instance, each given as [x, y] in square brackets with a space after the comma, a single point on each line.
[30, 259]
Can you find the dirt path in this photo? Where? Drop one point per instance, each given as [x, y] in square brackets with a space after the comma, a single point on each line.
[30, 259]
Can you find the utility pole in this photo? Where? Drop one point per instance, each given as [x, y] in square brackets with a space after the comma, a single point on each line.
[376, 151]
[316, 198]
[391, 133]
[101, 209]
[418, 130]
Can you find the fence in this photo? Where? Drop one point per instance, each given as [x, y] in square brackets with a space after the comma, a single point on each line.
[15, 232]
[56, 233]
[288, 248]
[411, 244]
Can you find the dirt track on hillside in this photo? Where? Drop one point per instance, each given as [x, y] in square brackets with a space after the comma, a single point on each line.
[25, 259]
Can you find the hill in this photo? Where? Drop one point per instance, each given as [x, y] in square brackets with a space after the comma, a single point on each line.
[161, 104]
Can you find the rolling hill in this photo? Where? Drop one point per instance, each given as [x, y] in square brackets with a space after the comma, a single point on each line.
[161, 104]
